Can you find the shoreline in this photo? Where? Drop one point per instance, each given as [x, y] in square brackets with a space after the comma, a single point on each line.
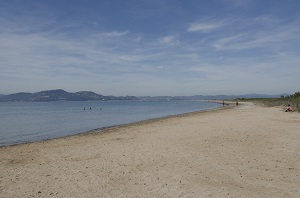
[101, 129]
[142, 122]
[244, 151]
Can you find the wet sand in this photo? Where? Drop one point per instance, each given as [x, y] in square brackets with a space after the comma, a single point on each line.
[245, 151]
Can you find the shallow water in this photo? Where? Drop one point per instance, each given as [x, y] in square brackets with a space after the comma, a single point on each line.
[22, 122]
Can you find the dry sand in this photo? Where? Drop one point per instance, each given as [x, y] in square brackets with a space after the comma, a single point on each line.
[248, 151]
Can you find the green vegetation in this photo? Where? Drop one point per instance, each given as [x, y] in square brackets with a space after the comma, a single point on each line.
[293, 97]
[293, 100]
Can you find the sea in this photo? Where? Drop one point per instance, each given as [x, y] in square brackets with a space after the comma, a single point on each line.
[23, 122]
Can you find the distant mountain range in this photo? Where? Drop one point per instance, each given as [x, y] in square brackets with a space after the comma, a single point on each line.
[62, 95]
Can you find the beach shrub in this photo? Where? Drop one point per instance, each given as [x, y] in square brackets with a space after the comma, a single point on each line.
[293, 100]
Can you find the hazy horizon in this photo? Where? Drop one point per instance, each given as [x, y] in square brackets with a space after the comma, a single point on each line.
[279, 94]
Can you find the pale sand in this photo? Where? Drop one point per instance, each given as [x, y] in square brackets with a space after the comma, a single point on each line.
[249, 151]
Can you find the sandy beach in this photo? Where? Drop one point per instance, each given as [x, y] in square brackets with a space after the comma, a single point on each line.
[244, 151]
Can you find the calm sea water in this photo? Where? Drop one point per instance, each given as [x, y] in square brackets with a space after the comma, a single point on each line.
[22, 122]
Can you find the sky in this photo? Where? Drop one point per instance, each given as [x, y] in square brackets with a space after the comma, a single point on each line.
[150, 47]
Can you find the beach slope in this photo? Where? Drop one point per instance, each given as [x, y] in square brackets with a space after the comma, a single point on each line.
[246, 151]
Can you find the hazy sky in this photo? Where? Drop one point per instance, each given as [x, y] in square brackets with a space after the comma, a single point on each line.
[150, 47]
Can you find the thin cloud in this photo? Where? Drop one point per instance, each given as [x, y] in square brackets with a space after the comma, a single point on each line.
[240, 2]
[169, 40]
[202, 27]
[113, 34]
[262, 33]
[236, 3]
[235, 42]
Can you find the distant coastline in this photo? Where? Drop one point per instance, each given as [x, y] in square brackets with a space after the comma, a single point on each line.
[62, 95]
